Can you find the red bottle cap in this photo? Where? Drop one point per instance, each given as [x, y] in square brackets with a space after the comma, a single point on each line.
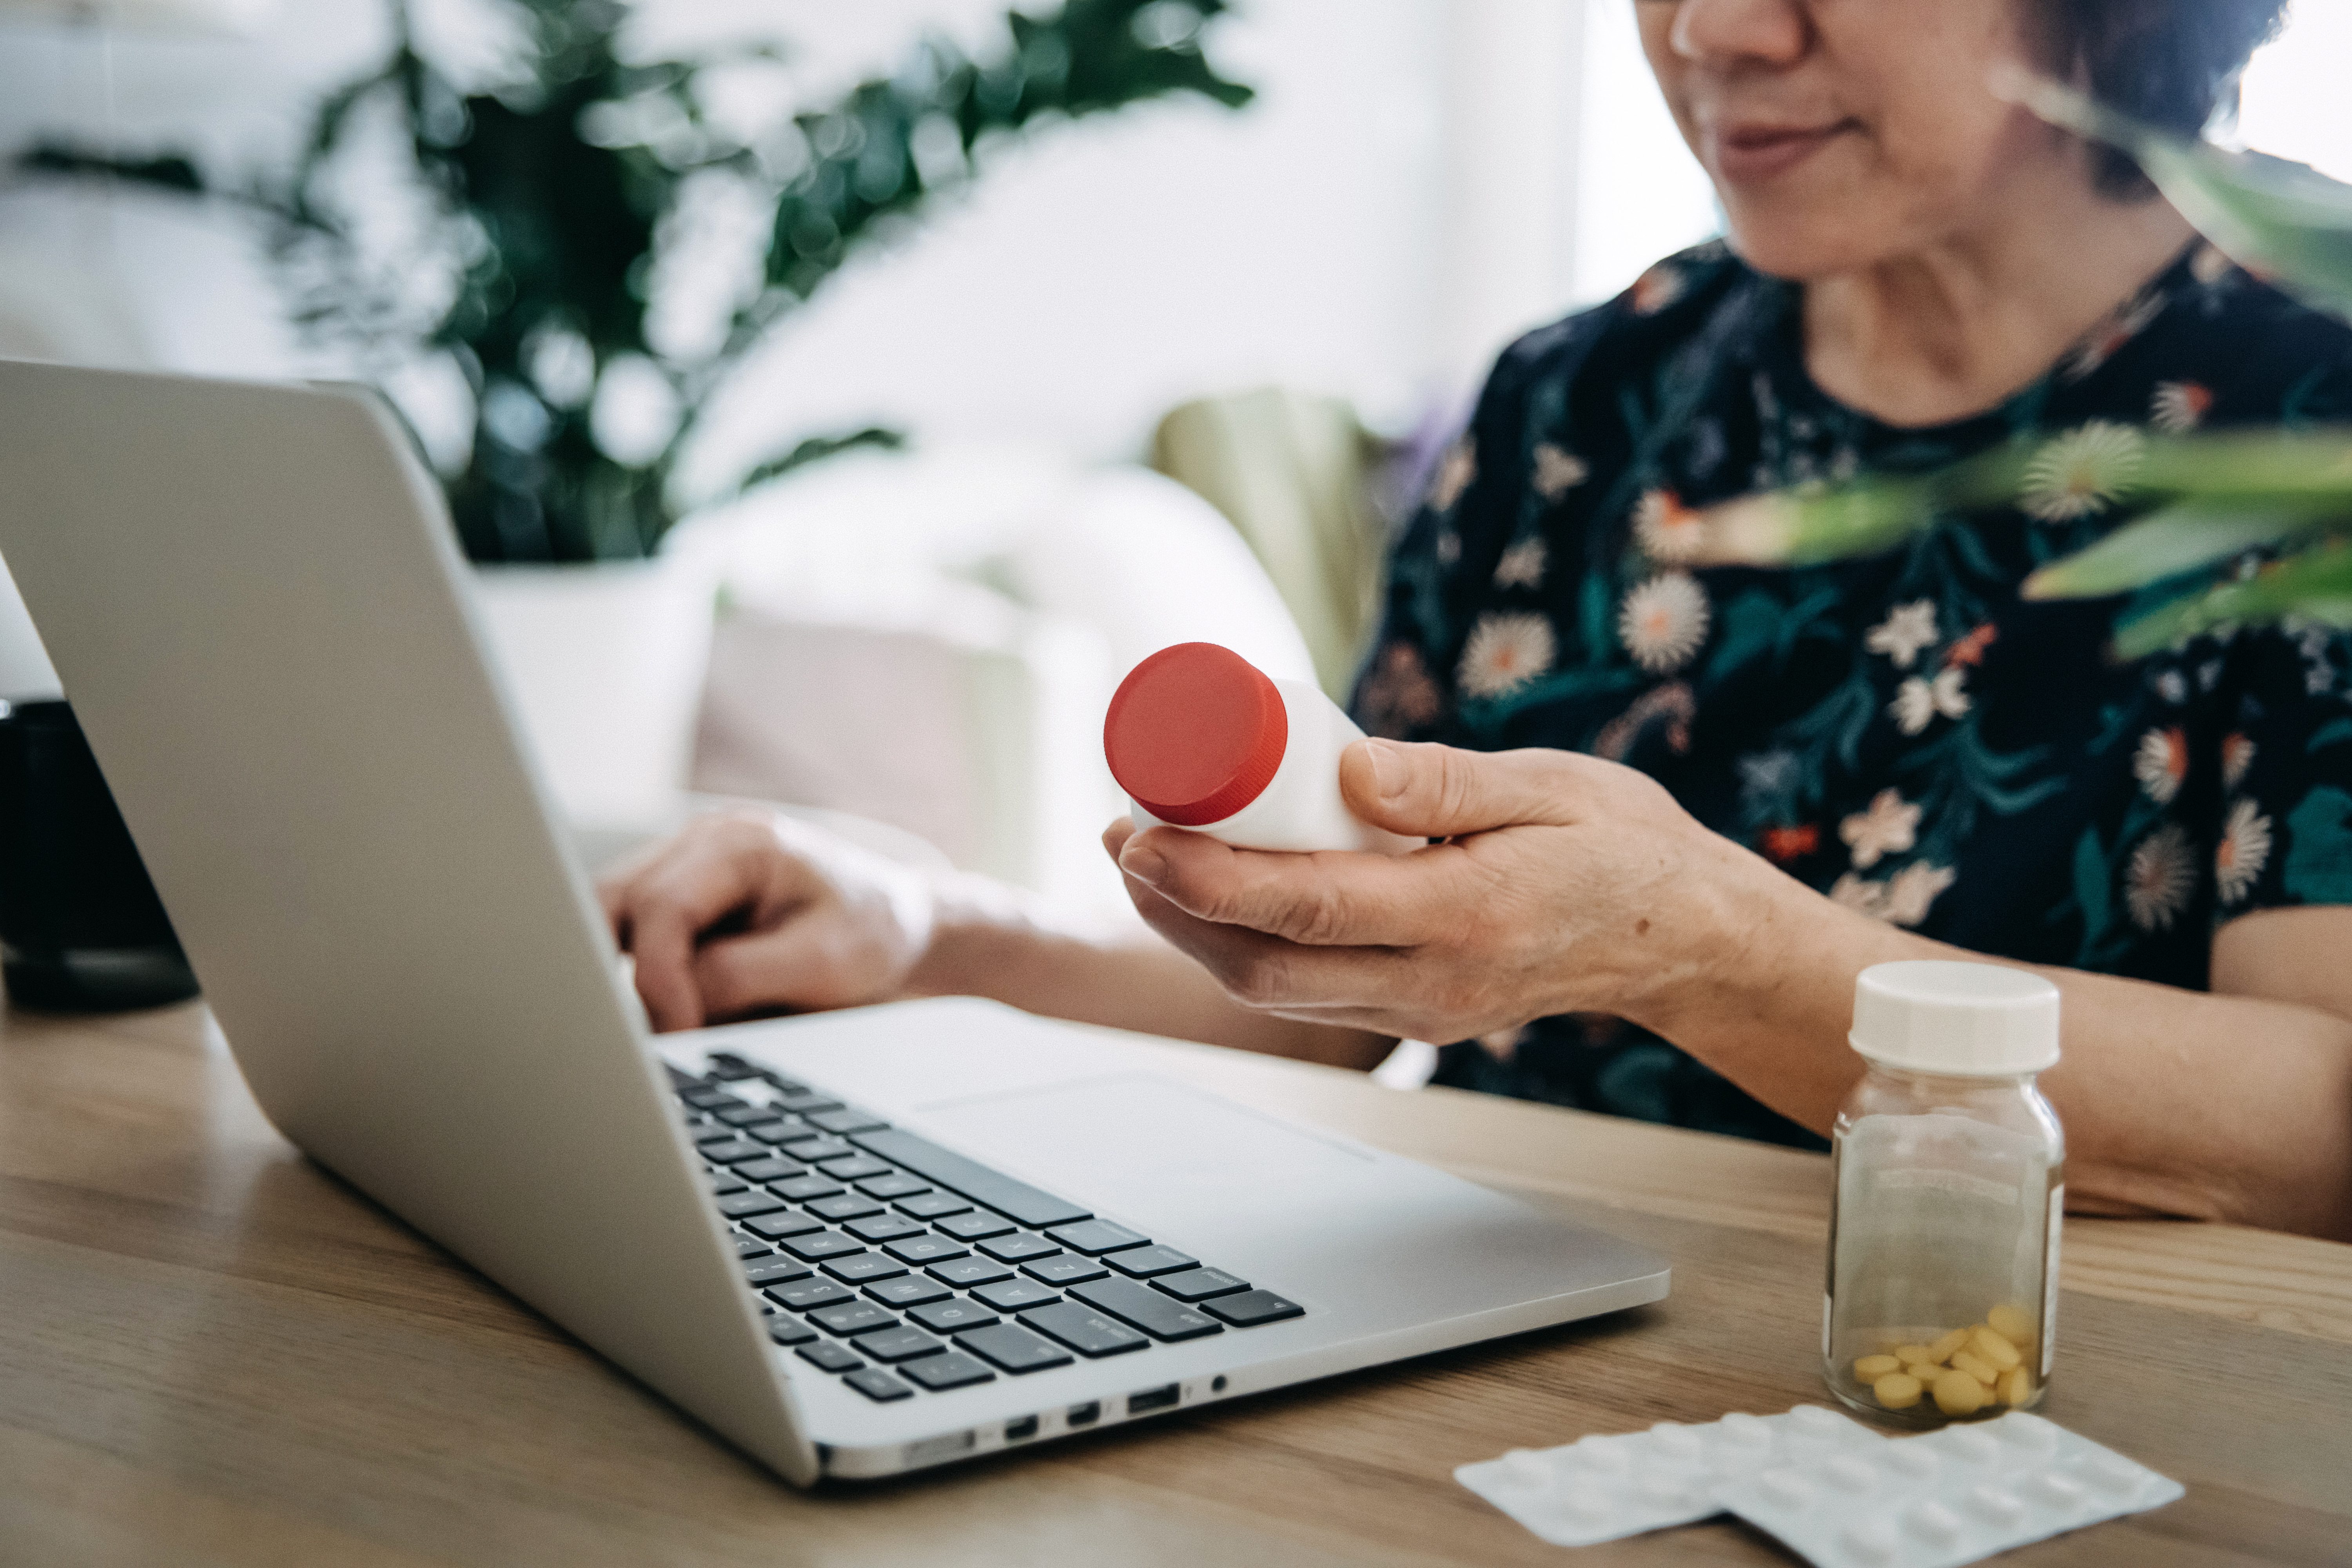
[1195, 733]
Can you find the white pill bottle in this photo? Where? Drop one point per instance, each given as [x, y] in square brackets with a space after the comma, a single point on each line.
[1201, 739]
[1950, 1183]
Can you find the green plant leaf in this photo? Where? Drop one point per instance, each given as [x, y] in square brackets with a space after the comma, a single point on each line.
[817, 449]
[2315, 585]
[2179, 539]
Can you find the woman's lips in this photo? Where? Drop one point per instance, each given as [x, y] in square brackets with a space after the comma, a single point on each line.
[1744, 154]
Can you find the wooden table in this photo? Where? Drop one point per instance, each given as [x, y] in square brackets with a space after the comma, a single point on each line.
[210, 1352]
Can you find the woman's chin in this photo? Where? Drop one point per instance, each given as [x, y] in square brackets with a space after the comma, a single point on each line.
[1806, 245]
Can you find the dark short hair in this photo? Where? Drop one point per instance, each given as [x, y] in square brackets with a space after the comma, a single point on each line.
[2168, 62]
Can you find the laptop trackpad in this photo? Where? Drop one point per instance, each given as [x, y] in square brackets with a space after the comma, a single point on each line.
[1152, 1150]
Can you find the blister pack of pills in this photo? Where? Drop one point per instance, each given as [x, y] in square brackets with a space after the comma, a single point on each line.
[1947, 1498]
[1606, 1487]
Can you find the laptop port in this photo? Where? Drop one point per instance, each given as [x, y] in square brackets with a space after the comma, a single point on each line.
[1086, 1415]
[1152, 1399]
[1022, 1430]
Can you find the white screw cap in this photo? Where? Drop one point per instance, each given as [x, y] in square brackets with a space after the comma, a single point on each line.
[1970, 1020]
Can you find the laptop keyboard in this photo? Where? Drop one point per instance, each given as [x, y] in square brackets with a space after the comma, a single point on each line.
[900, 1265]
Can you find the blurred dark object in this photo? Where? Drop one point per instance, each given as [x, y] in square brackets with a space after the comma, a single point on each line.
[80, 927]
[553, 191]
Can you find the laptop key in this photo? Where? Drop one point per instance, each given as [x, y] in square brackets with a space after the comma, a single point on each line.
[780, 1132]
[931, 1206]
[776, 1227]
[952, 1316]
[851, 1318]
[969, 1177]
[882, 1228]
[1013, 1348]
[1199, 1284]
[1018, 1248]
[854, 1168]
[706, 1098]
[808, 1295]
[860, 1266]
[879, 1386]
[974, 1226]
[1089, 1334]
[846, 1120]
[802, 1100]
[927, 1249]
[815, 1149]
[1016, 1295]
[825, 1243]
[845, 1205]
[1159, 1315]
[805, 1189]
[742, 1206]
[775, 1168]
[940, 1372]
[1251, 1307]
[829, 1357]
[741, 1115]
[787, 1331]
[733, 1150]
[909, 1291]
[897, 1184]
[1065, 1269]
[725, 1183]
[1096, 1236]
[746, 1247]
[967, 1272]
[898, 1344]
[726, 1067]
[775, 1271]
[1143, 1262]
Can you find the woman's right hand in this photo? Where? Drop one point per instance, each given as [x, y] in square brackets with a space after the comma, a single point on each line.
[748, 913]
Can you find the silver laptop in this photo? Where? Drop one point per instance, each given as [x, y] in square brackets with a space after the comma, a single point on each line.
[855, 1243]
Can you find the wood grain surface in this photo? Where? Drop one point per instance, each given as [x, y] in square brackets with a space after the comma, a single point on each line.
[212, 1352]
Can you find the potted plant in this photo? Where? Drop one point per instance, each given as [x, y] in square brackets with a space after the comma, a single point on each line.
[549, 197]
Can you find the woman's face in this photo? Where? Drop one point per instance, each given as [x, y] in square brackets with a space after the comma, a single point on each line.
[1840, 134]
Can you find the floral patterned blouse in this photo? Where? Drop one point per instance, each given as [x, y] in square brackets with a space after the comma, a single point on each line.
[1903, 733]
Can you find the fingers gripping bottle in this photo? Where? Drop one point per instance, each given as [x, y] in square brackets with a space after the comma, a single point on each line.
[1200, 738]
[1949, 1172]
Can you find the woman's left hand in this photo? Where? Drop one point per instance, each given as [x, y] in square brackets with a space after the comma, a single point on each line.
[1566, 885]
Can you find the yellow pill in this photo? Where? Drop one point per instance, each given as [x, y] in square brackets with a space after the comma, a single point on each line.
[1983, 1371]
[2010, 1324]
[1871, 1368]
[2015, 1387]
[1919, 1353]
[1987, 1345]
[1957, 1394]
[1942, 1349]
[1896, 1391]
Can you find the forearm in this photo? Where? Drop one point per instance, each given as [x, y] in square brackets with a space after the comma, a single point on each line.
[989, 941]
[2175, 1103]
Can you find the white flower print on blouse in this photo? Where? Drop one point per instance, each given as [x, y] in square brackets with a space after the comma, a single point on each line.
[2180, 406]
[2161, 763]
[1890, 826]
[2237, 757]
[1860, 896]
[1664, 622]
[1559, 471]
[1919, 700]
[2083, 472]
[1907, 632]
[1658, 287]
[2210, 266]
[2107, 338]
[1913, 891]
[1454, 475]
[1522, 565]
[2160, 879]
[2244, 850]
[1668, 531]
[1505, 652]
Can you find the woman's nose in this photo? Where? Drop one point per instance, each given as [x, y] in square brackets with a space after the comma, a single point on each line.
[1775, 32]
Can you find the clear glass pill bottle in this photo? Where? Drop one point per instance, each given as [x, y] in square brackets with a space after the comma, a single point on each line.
[1950, 1170]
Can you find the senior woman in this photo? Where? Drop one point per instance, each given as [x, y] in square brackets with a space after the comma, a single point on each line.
[1683, 806]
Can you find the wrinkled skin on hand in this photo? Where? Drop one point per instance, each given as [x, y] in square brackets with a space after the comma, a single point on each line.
[751, 912]
[1565, 884]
